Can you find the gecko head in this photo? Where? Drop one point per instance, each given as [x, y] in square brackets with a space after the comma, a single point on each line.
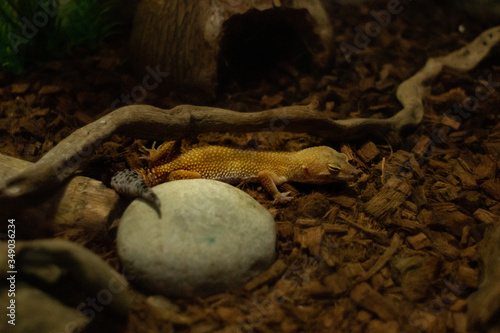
[324, 165]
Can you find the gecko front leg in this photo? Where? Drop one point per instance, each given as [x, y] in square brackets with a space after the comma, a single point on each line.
[269, 180]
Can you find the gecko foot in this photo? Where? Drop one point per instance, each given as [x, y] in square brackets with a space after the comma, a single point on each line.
[282, 197]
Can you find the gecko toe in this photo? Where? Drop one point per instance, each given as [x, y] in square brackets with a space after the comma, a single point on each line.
[282, 197]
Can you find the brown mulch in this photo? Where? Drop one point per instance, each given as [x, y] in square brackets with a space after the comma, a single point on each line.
[395, 251]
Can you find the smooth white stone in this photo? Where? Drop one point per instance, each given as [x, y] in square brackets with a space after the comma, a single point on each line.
[210, 237]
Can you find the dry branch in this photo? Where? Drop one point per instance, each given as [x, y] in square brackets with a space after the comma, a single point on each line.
[152, 123]
[484, 304]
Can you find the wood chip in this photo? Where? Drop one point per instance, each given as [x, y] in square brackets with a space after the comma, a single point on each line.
[269, 276]
[418, 241]
[384, 258]
[460, 305]
[449, 216]
[307, 84]
[440, 167]
[354, 270]
[486, 217]
[391, 196]
[315, 288]
[335, 228]
[19, 88]
[310, 239]
[443, 246]
[378, 326]
[50, 90]
[284, 229]
[459, 322]
[380, 237]
[344, 200]
[368, 152]
[371, 300]
[417, 281]
[451, 122]
[271, 101]
[418, 196]
[229, 314]
[406, 224]
[83, 117]
[422, 145]
[162, 309]
[486, 167]
[307, 222]
[445, 192]
[461, 171]
[468, 276]
[492, 187]
[337, 283]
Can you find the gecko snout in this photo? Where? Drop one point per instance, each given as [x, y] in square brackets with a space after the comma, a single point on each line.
[349, 172]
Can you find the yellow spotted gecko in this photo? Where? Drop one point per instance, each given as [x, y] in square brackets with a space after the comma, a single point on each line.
[316, 165]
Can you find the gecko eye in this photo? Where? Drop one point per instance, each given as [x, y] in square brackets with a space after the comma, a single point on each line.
[333, 168]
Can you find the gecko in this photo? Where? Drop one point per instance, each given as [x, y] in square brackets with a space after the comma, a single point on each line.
[315, 165]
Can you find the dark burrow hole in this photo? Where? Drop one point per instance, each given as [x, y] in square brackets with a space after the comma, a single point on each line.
[261, 44]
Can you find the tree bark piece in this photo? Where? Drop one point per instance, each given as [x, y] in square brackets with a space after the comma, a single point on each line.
[148, 122]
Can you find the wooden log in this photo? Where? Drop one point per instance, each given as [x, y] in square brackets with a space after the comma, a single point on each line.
[82, 202]
[194, 40]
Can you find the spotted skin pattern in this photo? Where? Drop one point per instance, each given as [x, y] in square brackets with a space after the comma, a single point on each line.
[316, 165]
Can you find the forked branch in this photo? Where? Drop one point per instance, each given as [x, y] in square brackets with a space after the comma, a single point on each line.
[143, 121]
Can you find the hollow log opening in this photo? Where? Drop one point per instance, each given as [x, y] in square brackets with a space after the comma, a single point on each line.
[258, 44]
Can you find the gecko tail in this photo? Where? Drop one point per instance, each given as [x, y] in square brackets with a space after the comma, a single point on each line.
[130, 183]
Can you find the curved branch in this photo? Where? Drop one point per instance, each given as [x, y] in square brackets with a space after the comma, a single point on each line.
[143, 121]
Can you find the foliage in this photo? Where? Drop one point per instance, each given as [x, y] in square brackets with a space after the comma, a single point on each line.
[34, 31]
[9, 24]
[87, 23]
